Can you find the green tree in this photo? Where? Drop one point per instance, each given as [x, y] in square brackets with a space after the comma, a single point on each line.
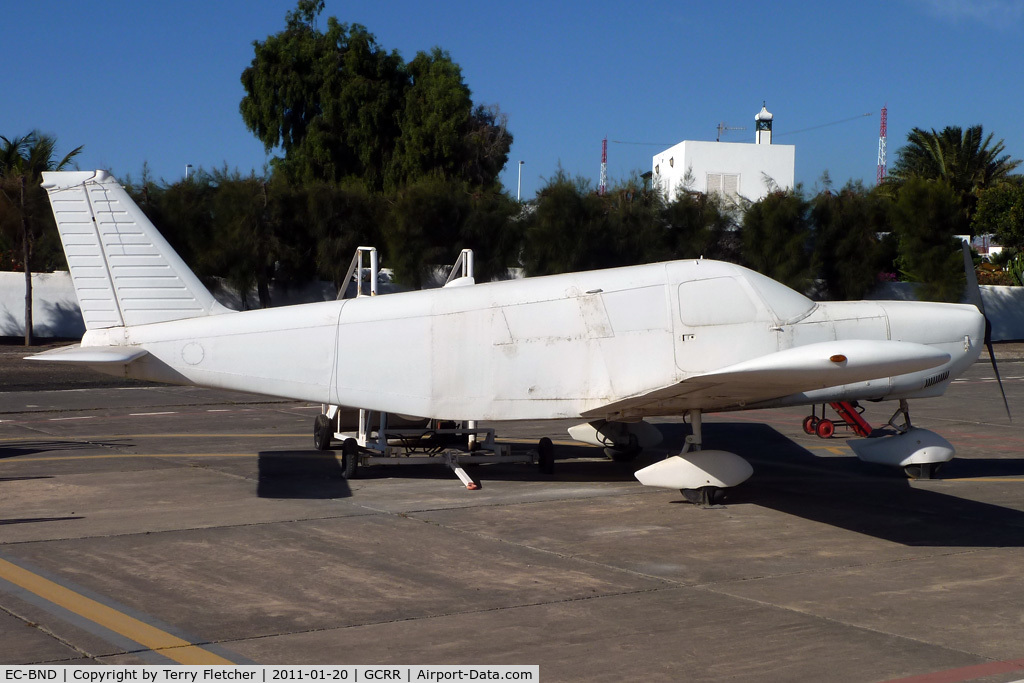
[341, 107]
[24, 209]
[926, 218]
[247, 229]
[182, 212]
[570, 227]
[1001, 212]
[485, 145]
[433, 121]
[329, 99]
[431, 220]
[965, 159]
[846, 226]
[699, 225]
[776, 236]
[341, 217]
[635, 223]
[493, 231]
[242, 242]
[567, 230]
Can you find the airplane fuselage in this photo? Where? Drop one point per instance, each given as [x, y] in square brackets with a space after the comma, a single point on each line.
[560, 346]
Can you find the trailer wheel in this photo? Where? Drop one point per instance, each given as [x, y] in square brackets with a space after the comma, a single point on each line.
[349, 458]
[825, 429]
[323, 431]
[810, 422]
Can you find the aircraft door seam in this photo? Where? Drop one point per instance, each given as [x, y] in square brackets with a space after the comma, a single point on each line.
[332, 387]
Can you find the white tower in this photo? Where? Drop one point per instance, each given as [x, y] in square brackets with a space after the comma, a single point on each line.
[763, 122]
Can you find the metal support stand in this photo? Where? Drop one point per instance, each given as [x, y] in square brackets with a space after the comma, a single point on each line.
[694, 442]
[903, 410]
[375, 443]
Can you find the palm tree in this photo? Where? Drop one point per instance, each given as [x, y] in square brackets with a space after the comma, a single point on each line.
[22, 163]
[966, 160]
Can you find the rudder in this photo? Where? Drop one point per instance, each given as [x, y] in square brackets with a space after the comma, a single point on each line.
[124, 271]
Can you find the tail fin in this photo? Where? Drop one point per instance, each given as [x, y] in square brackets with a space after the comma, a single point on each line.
[125, 273]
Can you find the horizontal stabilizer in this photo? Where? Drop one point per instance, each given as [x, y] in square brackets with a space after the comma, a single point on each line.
[795, 370]
[92, 355]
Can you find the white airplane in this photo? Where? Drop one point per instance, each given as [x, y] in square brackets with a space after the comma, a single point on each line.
[610, 347]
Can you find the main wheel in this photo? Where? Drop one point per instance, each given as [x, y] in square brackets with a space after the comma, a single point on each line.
[705, 496]
[625, 454]
[924, 470]
[825, 428]
[323, 431]
[349, 458]
[546, 456]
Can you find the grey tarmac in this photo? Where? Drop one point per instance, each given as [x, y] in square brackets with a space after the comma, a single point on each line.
[145, 524]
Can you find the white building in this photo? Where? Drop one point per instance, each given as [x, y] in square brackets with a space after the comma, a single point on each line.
[732, 169]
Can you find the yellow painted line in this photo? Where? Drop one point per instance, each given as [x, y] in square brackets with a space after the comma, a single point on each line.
[146, 635]
[554, 442]
[111, 437]
[835, 450]
[991, 479]
[123, 456]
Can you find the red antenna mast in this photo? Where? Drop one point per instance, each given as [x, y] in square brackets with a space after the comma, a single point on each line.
[602, 185]
[881, 146]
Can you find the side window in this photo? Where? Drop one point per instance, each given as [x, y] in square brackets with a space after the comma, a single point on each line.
[715, 301]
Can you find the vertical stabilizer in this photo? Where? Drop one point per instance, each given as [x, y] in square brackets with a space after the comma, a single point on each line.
[125, 273]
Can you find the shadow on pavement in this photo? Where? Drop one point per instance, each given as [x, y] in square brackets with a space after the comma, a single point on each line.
[300, 475]
[870, 499]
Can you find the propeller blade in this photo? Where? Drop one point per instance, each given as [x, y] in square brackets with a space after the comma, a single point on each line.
[995, 369]
[974, 296]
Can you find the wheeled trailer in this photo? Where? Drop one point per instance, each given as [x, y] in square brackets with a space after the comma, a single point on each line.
[450, 443]
[850, 414]
[375, 442]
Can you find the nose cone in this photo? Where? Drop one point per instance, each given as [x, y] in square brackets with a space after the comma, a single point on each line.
[958, 329]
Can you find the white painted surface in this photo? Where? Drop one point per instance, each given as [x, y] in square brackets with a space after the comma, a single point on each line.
[124, 271]
[615, 344]
[55, 309]
[1004, 306]
[750, 162]
[914, 447]
[694, 470]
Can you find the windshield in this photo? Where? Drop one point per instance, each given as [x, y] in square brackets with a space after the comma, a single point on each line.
[787, 305]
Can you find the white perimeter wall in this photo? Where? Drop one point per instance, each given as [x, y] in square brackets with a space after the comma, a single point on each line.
[750, 161]
[55, 310]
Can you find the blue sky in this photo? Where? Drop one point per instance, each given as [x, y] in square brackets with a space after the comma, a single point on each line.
[159, 82]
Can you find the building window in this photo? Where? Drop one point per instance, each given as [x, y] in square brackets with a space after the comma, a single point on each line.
[725, 184]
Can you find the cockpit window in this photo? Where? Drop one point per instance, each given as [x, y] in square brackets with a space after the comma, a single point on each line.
[715, 301]
[788, 305]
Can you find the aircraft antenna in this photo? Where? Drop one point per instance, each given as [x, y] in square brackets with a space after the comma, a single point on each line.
[881, 146]
[602, 185]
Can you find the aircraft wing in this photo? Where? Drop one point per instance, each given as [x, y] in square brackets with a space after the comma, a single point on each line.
[796, 370]
[92, 355]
